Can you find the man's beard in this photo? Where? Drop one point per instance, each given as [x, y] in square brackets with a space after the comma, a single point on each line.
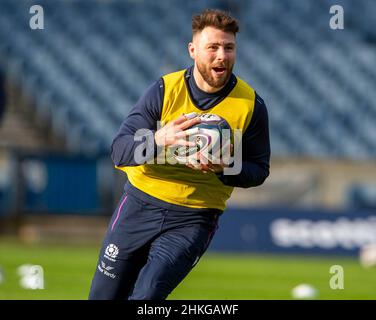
[207, 76]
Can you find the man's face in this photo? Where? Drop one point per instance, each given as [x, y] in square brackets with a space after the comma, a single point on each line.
[214, 53]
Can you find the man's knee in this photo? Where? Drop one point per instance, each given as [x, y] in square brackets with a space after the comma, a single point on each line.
[151, 292]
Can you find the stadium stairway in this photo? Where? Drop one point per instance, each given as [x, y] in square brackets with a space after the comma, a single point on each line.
[17, 130]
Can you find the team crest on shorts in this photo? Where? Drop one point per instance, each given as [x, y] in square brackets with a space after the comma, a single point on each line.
[111, 252]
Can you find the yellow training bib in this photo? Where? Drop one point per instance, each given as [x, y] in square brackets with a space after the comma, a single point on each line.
[178, 184]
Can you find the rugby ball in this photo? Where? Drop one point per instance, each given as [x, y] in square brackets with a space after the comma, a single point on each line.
[212, 138]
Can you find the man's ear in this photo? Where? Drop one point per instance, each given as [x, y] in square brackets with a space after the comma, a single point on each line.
[192, 50]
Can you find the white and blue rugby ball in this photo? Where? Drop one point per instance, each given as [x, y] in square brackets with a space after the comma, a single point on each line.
[212, 137]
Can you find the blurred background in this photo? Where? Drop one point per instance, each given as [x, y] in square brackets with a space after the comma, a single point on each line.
[69, 78]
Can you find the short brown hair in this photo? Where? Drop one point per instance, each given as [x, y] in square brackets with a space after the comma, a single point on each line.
[214, 18]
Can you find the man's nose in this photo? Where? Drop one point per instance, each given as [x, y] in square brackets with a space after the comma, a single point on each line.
[221, 54]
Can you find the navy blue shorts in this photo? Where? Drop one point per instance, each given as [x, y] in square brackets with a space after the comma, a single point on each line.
[148, 250]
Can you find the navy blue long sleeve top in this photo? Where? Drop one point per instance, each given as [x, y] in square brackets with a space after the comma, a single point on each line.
[147, 112]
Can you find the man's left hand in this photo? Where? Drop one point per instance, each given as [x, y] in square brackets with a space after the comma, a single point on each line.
[205, 165]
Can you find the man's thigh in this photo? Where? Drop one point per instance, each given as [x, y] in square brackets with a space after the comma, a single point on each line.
[115, 281]
[124, 249]
[172, 256]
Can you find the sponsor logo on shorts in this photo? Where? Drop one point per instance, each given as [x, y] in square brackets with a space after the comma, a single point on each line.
[105, 270]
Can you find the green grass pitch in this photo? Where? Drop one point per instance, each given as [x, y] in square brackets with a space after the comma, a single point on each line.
[68, 271]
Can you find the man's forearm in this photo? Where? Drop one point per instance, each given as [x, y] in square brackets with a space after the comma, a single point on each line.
[251, 175]
[126, 150]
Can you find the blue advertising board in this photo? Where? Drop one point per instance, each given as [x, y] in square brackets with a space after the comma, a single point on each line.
[58, 184]
[295, 231]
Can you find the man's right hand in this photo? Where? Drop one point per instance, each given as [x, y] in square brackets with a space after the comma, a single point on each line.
[173, 134]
